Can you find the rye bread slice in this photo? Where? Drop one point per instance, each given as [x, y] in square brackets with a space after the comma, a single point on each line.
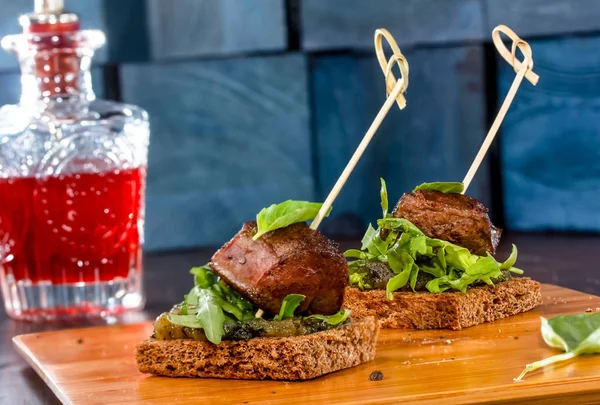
[288, 358]
[448, 310]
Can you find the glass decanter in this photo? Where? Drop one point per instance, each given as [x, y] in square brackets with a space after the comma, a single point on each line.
[72, 180]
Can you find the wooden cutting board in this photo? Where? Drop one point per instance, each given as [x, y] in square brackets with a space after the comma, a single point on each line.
[475, 365]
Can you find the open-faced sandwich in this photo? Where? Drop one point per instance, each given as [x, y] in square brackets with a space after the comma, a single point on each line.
[430, 265]
[267, 306]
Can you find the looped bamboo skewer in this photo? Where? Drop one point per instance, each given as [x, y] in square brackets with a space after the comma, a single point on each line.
[523, 69]
[386, 65]
[394, 91]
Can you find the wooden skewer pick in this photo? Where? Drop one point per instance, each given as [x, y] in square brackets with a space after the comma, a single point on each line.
[522, 69]
[394, 91]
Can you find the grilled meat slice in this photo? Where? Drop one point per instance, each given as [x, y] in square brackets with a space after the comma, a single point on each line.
[290, 260]
[455, 218]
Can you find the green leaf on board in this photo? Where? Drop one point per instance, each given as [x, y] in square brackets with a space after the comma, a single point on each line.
[575, 335]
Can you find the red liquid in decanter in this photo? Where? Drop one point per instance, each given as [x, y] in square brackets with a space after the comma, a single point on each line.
[78, 228]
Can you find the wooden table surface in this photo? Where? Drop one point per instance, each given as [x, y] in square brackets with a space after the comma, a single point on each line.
[561, 259]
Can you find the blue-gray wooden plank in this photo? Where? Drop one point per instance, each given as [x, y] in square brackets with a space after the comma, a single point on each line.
[10, 86]
[229, 137]
[90, 12]
[334, 24]
[543, 17]
[551, 139]
[434, 139]
[126, 30]
[98, 81]
[215, 27]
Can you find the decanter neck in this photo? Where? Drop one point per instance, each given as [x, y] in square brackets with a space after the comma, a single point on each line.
[55, 66]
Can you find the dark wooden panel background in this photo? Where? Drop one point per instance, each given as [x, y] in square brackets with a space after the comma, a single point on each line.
[257, 101]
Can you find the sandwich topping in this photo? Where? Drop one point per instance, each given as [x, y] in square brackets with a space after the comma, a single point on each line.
[401, 256]
[443, 213]
[288, 281]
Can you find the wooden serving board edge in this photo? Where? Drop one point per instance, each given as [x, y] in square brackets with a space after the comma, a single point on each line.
[575, 390]
[32, 361]
[554, 391]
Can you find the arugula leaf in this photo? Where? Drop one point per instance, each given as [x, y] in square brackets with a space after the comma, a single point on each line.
[367, 240]
[234, 310]
[512, 259]
[418, 245]
[212, 303]
[406, 250]
[434, 268]
[384, 198]
[190, 321]
[210, 316]
[414, 273]
[574, 334]
[374, 245]
[400, 225]
[358, 276]
[284, 214]
[397, 282]
[438, 285]
[184, 307]
[443, 187]
[289, 305]
[335, 319]
[230, 296]
[203, 276]
[484, 267]
[458, 257]
[193, 296]
[401, 263]
[355, 253]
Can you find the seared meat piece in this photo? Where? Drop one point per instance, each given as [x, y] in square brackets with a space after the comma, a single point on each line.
[290, 260]
[455, 218]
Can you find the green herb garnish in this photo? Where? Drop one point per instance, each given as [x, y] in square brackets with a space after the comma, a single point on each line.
[190, 321]
[442, 187]
[407, 251]
[574, 334]
[210, 315]
[384, 198]
[212, 303]
[335, 319]
[284, 214]
[289, 305]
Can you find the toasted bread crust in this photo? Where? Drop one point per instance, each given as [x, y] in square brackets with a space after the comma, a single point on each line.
[448, 310]
[289, 358]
